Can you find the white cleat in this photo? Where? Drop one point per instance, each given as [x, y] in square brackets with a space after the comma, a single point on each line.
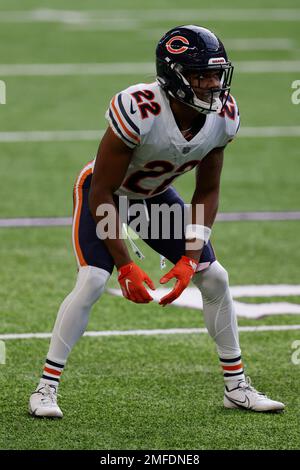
[245, 396]
[43, 403]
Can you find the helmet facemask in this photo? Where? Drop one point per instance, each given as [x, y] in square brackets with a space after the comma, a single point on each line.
[181, 89]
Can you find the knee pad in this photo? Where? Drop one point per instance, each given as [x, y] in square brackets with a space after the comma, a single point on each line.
[213, 279]
[90, 284]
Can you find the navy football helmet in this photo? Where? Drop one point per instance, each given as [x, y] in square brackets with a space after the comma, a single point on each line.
[187, 50]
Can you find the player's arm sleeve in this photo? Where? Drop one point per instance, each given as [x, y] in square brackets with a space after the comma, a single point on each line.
[123, 118]
[231, 117]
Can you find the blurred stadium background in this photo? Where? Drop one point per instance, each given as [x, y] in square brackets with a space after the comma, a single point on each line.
[61, 62]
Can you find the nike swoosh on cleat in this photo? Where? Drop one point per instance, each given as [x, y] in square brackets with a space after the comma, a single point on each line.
[131, 108]
[33, 413]
[242, 404]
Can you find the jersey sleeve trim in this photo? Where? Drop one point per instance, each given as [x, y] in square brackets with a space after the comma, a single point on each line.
[125, 115]
[121, 124]
[231, 117]
[118, 131]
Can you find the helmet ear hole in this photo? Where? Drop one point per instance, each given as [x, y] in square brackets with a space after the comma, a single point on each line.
[188, 50]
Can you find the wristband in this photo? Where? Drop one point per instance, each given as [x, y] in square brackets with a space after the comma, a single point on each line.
[200, 232]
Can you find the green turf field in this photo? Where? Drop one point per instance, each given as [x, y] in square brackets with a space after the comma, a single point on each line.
[138, 392]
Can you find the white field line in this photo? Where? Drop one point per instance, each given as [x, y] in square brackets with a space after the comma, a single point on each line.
[38, 222]
[276, 131]
[114, 68]
[133, 68]
[50, 136]
[239, 44]
[91, 135]
[262, 215]
[191, 298]
[172, 331]
[268, 66]
[143, 16]
[258, 44]
[221, 217]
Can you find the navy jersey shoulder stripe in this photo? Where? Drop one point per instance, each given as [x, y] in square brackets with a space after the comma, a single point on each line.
[125, 115]
[119, 130]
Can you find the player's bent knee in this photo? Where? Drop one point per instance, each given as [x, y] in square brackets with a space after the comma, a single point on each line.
[213, 278]
[91, 283]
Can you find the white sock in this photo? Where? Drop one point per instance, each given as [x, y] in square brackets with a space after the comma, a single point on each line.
[220, 319]
[72, 319]
[51, 373]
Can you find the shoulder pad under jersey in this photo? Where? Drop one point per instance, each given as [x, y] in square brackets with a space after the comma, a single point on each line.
[130, 111]
[231, 122]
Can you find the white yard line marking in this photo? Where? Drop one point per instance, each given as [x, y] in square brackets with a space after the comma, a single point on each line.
[267, 66]
[91, 135]
[114, 68]
[221, 217]
[237, 44]
[50, 136]
[172, 331]
[133, 68]
[36, 222]
[143, 16]
[258, 44]
[239, 216]
[191, 298]
[276, 131]
[265, 290]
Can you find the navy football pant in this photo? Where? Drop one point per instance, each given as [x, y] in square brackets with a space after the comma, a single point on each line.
[91, 251]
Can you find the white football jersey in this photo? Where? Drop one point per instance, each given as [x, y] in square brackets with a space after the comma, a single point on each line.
[141, 116]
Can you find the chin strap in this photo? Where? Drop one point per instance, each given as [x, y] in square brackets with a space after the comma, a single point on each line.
[200, 105]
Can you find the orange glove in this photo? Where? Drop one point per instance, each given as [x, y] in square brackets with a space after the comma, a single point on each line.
[131, 278]
[183, 271]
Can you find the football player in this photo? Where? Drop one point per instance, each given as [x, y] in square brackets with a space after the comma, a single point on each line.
[156, 133]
